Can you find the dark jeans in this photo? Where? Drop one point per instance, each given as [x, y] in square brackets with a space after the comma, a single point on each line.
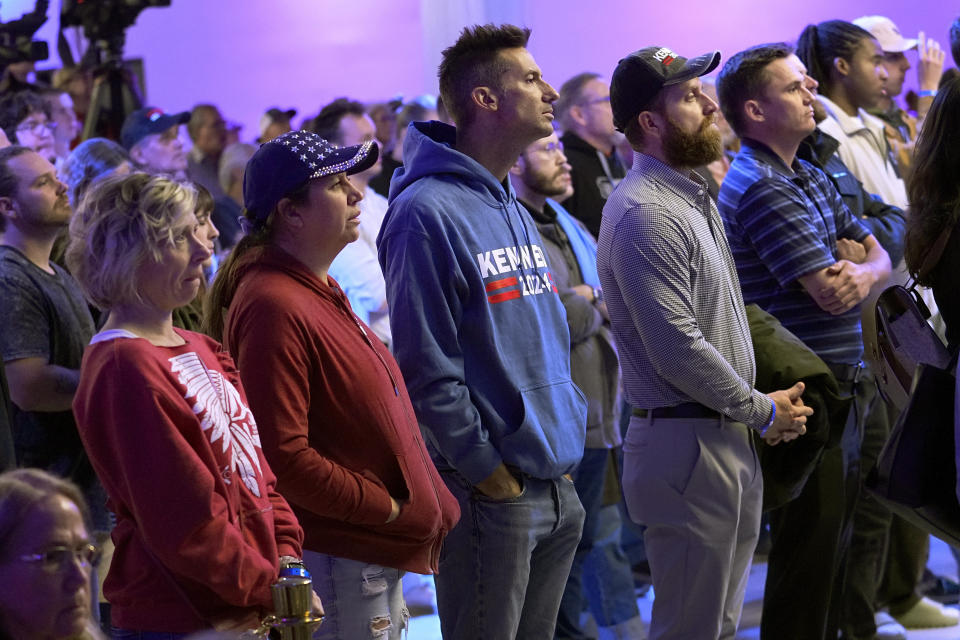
[600, 569]
[810, 539]
[906, 559]
[872, 529]
[504, 566]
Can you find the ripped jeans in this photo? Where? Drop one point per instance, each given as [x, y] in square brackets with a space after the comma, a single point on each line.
[362, 601]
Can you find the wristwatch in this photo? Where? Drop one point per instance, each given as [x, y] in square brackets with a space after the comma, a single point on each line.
[597, 295]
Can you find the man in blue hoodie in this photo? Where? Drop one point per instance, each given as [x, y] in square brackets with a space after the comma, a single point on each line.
[482, 339]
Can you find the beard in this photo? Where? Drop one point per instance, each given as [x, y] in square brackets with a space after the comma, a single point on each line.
[544, 183]
[696, 149]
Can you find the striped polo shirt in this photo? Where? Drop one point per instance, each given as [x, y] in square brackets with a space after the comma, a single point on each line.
[783, 223]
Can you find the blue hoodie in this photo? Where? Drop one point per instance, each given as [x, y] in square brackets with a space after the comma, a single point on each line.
[478, 327]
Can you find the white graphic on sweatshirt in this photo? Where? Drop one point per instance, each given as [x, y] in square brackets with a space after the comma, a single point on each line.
[222, 415]
[510, 259]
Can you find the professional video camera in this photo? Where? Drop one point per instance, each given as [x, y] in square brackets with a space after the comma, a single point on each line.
[16, 38]
[105, 21]
[115, 92]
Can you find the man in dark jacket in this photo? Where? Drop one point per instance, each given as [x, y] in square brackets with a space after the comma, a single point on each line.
[886, 222]
[542, 172]
[589, 140]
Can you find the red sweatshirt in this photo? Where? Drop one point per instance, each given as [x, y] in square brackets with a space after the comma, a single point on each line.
[200, 528]
[335, 418]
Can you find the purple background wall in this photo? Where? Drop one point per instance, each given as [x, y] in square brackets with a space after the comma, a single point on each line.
[247, 55]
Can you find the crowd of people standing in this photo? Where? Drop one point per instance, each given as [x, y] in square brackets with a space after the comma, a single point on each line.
[528, 341]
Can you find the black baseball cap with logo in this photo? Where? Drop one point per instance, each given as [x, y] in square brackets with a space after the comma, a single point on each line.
[640, 76]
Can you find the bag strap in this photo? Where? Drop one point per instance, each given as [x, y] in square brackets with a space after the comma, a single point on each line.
[936, 252]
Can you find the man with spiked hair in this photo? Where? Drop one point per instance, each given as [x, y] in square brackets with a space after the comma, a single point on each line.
[481, 336]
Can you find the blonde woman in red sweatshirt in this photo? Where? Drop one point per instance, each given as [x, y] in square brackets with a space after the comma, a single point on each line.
[201, 533]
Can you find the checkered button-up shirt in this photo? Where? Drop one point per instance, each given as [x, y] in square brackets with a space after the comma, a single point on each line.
[673, 296]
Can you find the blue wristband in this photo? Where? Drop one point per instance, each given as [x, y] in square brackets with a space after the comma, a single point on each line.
[773, 417]
[927, 93]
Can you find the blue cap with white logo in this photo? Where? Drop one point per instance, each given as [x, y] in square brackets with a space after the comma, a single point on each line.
[147, 121]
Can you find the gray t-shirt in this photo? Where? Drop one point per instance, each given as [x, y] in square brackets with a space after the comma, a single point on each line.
[44, 315]
[7, 459]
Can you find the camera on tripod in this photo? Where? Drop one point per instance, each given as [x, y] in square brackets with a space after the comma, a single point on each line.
[16, 38]
[115, 93]
[104, 22]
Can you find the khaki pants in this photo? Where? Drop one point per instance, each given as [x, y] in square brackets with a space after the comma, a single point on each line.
[697, 487]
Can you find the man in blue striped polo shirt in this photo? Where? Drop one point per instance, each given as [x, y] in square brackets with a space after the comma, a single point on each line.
[784, 218]
[804, 258]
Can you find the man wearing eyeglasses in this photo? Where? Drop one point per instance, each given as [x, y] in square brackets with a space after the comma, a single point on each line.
[589, 140]
[25, 119]
[541, 173]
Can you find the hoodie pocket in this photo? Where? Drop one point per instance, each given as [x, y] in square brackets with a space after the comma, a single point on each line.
[419, 517]
[551, 433]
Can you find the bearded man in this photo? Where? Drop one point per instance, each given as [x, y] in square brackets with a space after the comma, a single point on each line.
[601, 574]
[690, 472]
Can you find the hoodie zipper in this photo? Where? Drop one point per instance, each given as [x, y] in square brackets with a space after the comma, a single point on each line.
[438, 540]
[366, 337]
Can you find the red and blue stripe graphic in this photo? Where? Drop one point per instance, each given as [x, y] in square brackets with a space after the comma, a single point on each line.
[496, 293]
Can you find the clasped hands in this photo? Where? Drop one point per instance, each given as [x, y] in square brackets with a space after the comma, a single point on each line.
[791, 418]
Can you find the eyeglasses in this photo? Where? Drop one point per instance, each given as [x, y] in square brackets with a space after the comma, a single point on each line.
[551, 148]
[56, 558]
[37, 127]
[596, 101]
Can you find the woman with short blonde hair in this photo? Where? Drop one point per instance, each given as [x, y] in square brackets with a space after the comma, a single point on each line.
[200, 533]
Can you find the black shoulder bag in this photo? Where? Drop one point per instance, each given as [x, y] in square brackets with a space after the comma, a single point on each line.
[916, 472]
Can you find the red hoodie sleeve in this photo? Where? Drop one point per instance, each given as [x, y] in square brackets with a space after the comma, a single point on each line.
[156, 463]
[289, 534]
[272, 352]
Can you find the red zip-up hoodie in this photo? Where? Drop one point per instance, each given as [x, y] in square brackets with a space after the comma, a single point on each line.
[335, 419]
